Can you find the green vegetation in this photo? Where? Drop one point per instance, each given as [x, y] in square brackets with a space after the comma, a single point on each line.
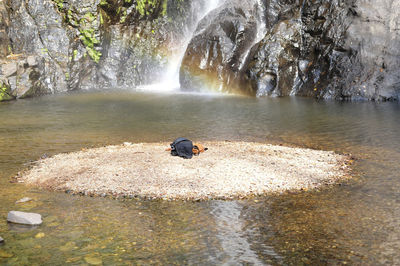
[60, 4]
[87, 27]
[165, 6]
[146, 7]
[89, 40]
[123, 17]
[75, 54]
[5, 93]
[149, 7]
[110, 12]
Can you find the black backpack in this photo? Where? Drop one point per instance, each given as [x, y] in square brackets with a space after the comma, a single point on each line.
[182, 147]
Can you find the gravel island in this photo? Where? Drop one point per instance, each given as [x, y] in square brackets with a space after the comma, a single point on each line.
[227, 170]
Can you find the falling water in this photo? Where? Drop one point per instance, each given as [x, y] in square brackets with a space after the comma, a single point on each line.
[261, 29]
[170, 80]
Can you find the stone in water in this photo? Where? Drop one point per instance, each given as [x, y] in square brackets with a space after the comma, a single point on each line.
[24, 218]
[26, 199]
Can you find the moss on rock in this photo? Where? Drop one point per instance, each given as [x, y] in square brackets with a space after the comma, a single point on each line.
[5, 92]
[87, 26]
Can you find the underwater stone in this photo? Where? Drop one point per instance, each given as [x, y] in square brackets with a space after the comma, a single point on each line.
[23, 200]
[92, 259]
[24, 218]
[4, 254]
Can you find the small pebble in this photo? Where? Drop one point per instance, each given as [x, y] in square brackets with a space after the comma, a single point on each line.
[4, 254]
[93, 260]
[39, 235]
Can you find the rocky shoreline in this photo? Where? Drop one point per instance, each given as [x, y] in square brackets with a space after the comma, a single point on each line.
[227, 170]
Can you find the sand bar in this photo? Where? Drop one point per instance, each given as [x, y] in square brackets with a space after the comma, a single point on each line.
[227, 170]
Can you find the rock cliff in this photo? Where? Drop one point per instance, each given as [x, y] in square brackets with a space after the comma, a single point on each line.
[90, 44]
[340, 49]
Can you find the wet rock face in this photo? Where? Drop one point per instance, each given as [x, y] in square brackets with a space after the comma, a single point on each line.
[4, 22]
[343, 49]
[273, 69]
[21, 77]
[37, 28]
[218, 51]
[359, 57]
[373, 40]
[89, 44]
[137, 51]
[300, 49]
[297, 42]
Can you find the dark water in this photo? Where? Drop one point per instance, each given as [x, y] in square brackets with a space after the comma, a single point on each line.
[355, 223]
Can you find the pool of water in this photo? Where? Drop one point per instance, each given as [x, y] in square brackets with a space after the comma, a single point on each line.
[357, 222]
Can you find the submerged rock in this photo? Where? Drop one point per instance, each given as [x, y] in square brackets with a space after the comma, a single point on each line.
[23, 200]
[24, 218]
[40, 235]
[93, 259]
[5, 254]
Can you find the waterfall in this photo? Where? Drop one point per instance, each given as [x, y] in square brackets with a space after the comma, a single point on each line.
[261, 28]
[170, 80]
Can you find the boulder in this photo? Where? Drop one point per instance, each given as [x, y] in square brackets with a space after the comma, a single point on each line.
[24, 218]
[32, 61]
[273, 71]
[29, 84]
[9, 69]
[217, 54]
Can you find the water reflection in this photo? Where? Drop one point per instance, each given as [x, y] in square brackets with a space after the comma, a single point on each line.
[358, 222]
[238, 239]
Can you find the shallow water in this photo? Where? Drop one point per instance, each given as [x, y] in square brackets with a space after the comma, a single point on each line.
[357, 222]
